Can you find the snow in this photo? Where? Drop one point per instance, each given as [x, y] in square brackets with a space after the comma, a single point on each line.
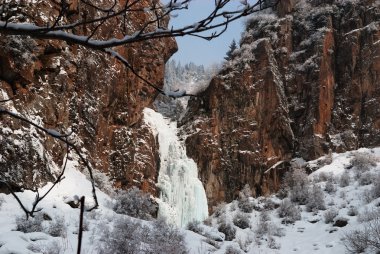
[182, 198]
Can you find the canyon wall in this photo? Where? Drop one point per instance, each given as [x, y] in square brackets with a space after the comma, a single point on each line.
[69, 88]
[306, 80]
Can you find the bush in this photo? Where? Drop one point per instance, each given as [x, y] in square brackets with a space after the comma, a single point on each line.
[32, 224]
[195, 227]
[132, 237]
[330, 187]
[57, 227]
[297, 183]
[241, 220]
[53, 247]
[245, 205]
[365, 239]
[135, 203]
[363, 161]
[228, 230]
[369, 215]
[352, 211]
[219, 210]
[365, 178]
[344, 179]
[1, 201]
[289, 211]
[316, 199]
[272, 244]
[376, 187]
[330, 215]
[232, 250]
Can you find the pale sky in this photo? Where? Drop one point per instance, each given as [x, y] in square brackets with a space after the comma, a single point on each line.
[200, 51]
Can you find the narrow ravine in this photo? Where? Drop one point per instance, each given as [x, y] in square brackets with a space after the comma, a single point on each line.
[182, 196]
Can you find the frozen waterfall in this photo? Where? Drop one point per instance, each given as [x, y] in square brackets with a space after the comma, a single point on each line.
[182, 197]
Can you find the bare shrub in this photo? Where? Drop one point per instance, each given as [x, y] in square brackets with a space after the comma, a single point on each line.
[330, 215]
[363, 161]
[369, 215]
[367, 195]
[127, 236]
[376, 187]
[345, 179]
[289, 211]
[228, 230]
[53, 247]
[297, 183]
[195, 226]
[365, 239]
[365, 178]
[272, 244]
[352, 211]
[135, 203]
[330, 187]
[241, 220]
[57, 227]
[232, 250]
[316, 200]
[166, 239]
[245, 205]
[1, 201]
[219, 210]
[32, 224]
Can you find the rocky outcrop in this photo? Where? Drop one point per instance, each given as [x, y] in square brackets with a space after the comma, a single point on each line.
[300, 85]
[70, 88]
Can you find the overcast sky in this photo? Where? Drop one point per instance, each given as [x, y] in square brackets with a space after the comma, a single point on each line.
[200, 51]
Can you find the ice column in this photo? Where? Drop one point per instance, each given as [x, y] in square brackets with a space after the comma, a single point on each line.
[182, 196]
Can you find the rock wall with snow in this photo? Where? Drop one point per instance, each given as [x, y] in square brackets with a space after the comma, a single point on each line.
[305, 80]
[70, 88]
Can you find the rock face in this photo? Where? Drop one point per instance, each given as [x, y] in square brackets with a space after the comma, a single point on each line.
[300, 85]
[68, 87]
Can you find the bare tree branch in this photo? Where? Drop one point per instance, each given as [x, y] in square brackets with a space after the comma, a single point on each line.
[62, 138]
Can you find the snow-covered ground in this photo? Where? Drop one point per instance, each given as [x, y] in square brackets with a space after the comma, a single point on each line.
[309, 235]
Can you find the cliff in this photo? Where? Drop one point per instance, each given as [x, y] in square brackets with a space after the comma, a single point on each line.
[304, 81]
[70, 88]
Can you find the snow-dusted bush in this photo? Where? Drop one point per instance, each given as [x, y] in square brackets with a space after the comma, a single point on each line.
[363, 161]
[330, 215]
[369, 215]
[127, 236]
[195, 226]
[53, 247]
[219, 210]
[32, 224]
[241, 220]
[228, 230]
[344, 179]
[289, 211]
[297, 183]
[352, 211]
[364, 240]
[245, 205]
[58, 227]
[365, 178]
[272, 244]
[135, 203]
[330, 186]
[376, 187]
[232, 250]
[1, 201]
[316, 200]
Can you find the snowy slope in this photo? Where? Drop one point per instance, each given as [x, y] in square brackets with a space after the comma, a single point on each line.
[309, 235]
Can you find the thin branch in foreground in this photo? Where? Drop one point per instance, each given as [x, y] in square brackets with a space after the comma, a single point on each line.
[62, 138]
